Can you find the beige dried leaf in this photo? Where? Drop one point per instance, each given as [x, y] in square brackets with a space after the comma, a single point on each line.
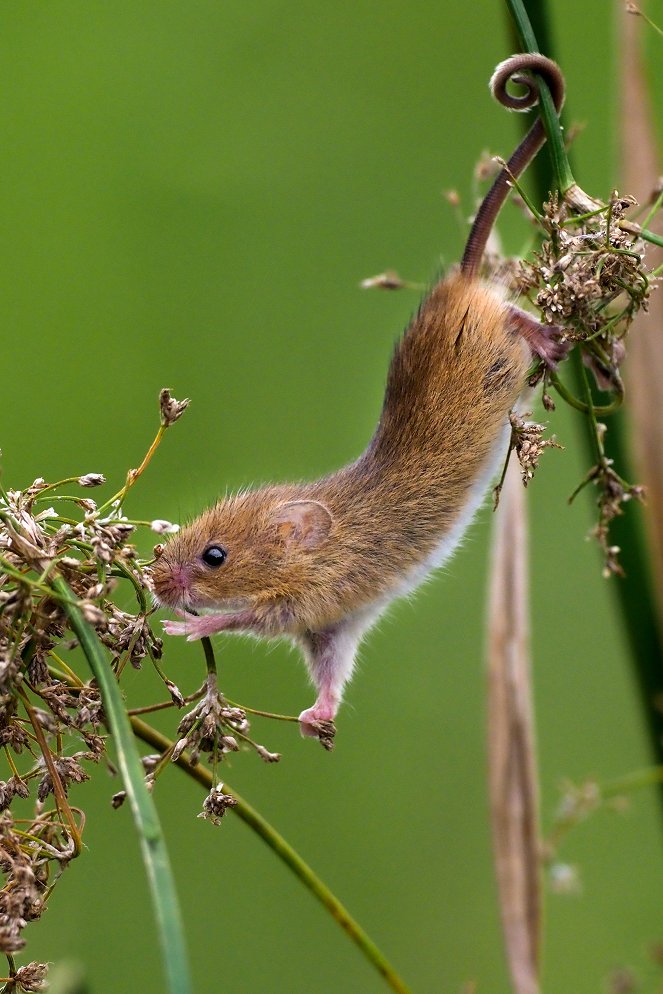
[512, 776]
[641, 169]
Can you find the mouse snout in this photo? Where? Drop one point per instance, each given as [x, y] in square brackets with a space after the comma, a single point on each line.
[172, 584]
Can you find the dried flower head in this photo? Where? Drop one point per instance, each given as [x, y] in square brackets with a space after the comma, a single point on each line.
[216, 804]
[564, 878]
[528, 443]
[162, 527]
[32, 978]
[589, 276]
[92, 480]
[171, 409]
[52, 719]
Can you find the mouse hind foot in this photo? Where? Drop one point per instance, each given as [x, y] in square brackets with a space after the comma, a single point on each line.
[547, 341]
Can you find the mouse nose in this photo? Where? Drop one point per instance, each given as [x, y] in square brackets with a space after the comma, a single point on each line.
[172, 583]
[180, 576]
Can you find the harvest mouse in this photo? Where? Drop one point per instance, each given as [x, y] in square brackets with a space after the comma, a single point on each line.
[319, 562]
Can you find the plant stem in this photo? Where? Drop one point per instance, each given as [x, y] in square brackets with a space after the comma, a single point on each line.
[284, 851]
[564, 179]
[644, 233]
[155, 855]
[61, 801]
[634, 591]
[635, 596]
[133, 474]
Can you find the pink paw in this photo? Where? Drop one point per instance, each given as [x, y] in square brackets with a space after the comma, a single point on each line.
[547, 341]
[190, 627]
[318, 723]
[319, 712]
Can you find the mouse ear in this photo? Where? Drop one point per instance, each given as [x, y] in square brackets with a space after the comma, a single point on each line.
[307, 522]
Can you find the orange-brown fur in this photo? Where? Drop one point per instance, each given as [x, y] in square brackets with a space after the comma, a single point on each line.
[454, 376]
[319, 561]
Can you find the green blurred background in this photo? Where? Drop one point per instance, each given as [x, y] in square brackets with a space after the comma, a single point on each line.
[191, 193]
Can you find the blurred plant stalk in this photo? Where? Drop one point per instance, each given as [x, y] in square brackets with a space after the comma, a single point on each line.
[640, 168]
[512, 774]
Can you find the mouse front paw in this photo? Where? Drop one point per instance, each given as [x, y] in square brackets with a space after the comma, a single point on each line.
[174, 627]
[189, 627]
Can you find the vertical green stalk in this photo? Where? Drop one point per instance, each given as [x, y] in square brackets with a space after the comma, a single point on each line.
[634, 592]
[155, 856]
[555, 143]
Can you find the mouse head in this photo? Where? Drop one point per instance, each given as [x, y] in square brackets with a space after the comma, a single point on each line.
[254, 545]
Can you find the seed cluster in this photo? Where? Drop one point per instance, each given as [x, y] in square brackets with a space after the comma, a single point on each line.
[53, 727]
[589, 277]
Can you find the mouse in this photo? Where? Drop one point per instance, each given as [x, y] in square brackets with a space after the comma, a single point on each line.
[319, 562]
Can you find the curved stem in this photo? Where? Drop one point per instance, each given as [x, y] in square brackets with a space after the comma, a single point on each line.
[263, 714]
[579, 405]
[285, 852]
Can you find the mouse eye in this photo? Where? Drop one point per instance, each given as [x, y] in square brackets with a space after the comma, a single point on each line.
[214, 556]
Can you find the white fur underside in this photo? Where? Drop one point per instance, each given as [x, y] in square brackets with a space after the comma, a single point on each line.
[362, 620]
[450, 542]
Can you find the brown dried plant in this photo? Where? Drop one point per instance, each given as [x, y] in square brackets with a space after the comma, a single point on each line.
[53, 728]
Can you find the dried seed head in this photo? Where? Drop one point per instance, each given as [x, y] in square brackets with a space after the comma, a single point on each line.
[93, 614]
[180, 746]
[32, 978]
[528, 443]
[269, 757]
[92, 480]
[487, 167]
[162, 527]
[216, 804]
[175, 693]
[171, 409]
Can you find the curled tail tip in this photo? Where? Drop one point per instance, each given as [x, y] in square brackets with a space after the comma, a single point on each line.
[528, 62]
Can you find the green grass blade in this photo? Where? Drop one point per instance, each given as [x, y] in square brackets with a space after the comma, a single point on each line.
[153, 846]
